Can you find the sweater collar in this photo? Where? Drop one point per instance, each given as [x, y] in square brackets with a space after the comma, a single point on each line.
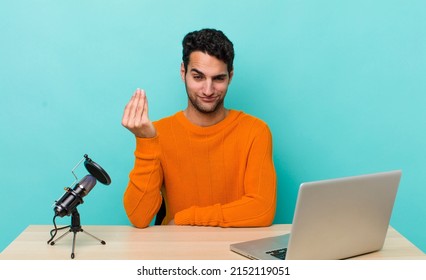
[206, 130]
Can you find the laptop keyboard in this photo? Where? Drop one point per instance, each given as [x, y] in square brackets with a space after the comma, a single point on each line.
[280, 253]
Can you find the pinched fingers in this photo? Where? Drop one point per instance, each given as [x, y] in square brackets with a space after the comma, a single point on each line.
[135, 116]
[141, 112]
[129, 111]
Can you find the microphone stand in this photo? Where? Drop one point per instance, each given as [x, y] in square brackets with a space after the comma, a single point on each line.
[75, 227]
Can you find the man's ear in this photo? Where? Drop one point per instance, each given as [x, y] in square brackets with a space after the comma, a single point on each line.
[182, 71]
[231, 74]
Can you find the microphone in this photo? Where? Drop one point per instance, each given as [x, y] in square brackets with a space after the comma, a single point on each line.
[67, 204]
[74, 197]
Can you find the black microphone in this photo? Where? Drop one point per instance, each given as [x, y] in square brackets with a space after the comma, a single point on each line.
[74, 197]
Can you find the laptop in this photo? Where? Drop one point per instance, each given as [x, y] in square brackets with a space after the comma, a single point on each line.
[334, 219]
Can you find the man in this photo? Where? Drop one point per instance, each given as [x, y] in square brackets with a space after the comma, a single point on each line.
[212, 165]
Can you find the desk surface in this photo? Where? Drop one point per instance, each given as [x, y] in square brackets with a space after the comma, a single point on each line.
[166, 243]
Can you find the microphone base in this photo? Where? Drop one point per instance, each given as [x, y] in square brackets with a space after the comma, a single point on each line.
[75, 228]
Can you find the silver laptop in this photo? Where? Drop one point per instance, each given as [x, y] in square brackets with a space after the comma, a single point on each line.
[334, 219]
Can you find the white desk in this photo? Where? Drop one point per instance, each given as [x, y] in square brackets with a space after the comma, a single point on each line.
[166, 243]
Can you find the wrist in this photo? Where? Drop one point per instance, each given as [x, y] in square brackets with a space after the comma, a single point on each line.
[146, 133]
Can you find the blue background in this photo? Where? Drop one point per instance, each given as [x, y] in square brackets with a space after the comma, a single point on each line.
[341, 84]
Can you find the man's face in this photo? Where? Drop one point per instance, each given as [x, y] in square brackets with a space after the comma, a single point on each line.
[206, 81]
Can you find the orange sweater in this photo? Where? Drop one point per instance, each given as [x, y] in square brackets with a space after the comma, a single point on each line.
[221, 175]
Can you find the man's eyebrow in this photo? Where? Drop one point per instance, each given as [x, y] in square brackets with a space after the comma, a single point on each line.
[197, 71]
[221, 76]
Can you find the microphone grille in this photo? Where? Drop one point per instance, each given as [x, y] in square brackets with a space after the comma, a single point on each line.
[87, 183]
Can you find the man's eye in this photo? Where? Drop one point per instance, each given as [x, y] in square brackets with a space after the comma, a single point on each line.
[197, 77]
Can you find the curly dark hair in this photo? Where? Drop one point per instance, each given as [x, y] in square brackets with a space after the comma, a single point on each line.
[210, 41]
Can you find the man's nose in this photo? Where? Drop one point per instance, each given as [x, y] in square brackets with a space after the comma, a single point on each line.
[208, 88]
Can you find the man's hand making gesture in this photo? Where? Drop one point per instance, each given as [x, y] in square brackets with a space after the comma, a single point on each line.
[135, 117]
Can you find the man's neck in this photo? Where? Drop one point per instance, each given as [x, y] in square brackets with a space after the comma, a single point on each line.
[204, 119]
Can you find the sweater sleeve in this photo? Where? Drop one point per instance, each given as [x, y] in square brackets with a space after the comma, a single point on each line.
[257, 205]
[142, 198]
